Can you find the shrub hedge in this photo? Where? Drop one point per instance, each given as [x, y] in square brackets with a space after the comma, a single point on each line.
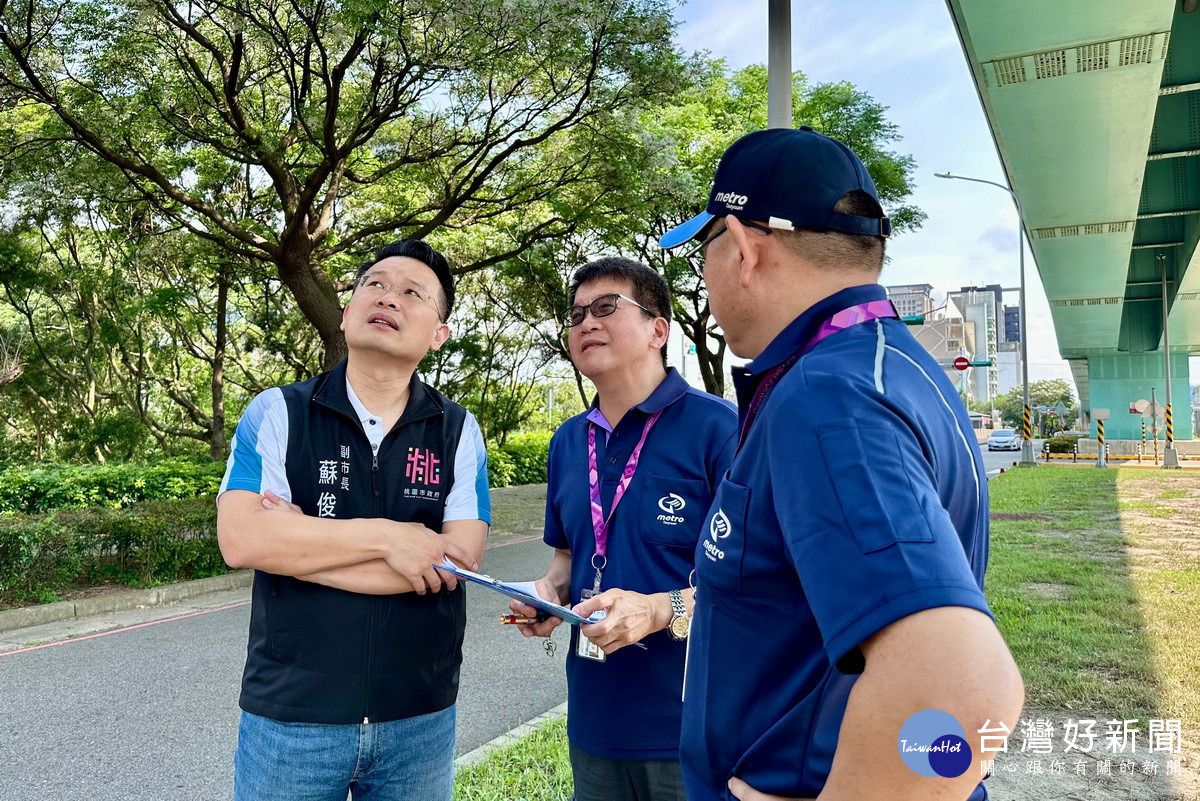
[63, 527]
[29, 490]
[141, 545]
[1062, 443]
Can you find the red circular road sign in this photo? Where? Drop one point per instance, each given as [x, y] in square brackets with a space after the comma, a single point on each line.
[961, 363]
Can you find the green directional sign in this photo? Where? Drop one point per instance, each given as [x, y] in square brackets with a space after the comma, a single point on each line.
[913, 319]
[984, 363]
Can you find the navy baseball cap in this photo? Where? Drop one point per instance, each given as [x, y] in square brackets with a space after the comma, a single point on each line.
[788, 179]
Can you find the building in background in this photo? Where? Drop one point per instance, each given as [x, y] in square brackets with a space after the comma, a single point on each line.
[946, 336]
[982, 308]
[1012, 324]
[911, 299]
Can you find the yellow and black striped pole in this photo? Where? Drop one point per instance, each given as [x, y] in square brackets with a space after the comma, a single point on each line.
[1170, 426]
[1100, 460]
[1143, 433]
[1026, 427]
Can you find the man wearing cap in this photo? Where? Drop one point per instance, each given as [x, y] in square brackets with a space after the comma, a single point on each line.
[840, 573]
[630, 481]
[341, 492]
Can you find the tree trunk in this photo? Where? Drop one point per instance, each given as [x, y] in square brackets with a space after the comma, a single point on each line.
[217, 445]
[315, 295]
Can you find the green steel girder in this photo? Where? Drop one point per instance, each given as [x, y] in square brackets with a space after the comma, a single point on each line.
[1095, 111]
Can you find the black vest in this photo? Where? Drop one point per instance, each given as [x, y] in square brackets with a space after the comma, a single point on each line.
[322, 655]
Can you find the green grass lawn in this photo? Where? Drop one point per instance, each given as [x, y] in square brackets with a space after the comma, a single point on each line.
[1095, 581]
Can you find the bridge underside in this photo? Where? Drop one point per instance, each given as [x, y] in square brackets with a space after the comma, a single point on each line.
[1095, 110]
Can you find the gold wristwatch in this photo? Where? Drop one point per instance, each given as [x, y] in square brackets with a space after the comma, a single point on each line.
[681, 622]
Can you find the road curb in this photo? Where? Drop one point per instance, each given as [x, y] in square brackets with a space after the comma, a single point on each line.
[25, 617]
[482, 752]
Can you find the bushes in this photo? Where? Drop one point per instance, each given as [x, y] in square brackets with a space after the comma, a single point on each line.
[29, 490]
[521, 460]
[529, 453]
[1062, 444]
[144, 544]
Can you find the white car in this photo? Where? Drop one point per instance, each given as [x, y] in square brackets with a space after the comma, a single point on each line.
[1004, 439]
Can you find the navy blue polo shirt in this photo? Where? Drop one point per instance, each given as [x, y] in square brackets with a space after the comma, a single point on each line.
[628, 707]
[858, 498]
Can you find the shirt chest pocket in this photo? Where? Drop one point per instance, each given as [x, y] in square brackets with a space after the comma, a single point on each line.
[673, 510]
[722, 542]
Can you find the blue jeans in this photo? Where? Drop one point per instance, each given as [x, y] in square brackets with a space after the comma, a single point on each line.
[399, 760]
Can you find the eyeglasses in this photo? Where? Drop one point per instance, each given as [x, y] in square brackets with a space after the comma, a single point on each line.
[752, 225]
[376, 288]
[602, 306]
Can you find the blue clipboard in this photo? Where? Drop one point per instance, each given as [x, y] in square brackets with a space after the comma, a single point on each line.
[522, 596]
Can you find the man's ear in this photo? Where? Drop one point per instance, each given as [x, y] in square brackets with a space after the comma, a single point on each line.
[662, 330]
[751, 247]
[345, 311]
[440, 335]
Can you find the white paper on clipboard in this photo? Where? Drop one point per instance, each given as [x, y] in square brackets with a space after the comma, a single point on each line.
[523, 591]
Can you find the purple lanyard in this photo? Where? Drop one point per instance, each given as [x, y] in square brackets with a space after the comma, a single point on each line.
[859, 313]
[599, 523]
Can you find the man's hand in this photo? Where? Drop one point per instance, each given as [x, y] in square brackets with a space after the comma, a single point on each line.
[546, 592]
[745, 792]
[629, 617]
[273, 502]
[415, 550]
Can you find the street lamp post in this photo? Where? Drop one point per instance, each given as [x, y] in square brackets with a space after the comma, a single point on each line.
[1027, 457]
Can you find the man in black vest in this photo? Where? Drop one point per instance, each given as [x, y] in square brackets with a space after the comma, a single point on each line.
[355, 640]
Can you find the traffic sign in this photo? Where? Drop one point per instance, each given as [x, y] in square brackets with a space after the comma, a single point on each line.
[1061, 409]
[1154, 410]
[1099, 414]
[1139, 406]
[962, 363]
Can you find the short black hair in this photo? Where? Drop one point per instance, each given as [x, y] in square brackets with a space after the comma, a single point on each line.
[649, 288]
[421, 251]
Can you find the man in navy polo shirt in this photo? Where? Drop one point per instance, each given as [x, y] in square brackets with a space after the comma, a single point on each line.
[839, 579]
[630, 481]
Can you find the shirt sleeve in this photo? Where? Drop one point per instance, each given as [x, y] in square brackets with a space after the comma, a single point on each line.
[863, 524]
[554, 534]
[469, 498]
[258, 456]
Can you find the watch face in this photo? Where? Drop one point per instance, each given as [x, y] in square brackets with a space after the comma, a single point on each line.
[679, 626]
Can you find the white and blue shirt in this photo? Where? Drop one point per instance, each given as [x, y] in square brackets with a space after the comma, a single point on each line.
[323, 655]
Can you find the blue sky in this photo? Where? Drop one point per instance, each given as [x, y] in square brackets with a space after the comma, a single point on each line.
[908, 57]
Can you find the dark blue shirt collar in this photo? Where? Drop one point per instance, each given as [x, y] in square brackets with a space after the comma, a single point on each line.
[805, 327]
[669, 390]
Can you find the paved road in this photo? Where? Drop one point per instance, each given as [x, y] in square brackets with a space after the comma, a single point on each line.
[151, 713]
[994, 460]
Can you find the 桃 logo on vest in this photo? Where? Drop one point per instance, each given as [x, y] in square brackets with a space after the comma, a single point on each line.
[671, 503]
[732, 199]
[718, 529]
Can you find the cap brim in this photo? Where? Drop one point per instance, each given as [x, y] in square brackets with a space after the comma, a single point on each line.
[685, 232]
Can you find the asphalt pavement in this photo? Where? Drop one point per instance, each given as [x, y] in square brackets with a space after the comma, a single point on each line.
[149, 710]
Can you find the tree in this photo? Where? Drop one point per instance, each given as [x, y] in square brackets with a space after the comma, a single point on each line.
[300, 133]
[667, 158]
[1041, 393]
